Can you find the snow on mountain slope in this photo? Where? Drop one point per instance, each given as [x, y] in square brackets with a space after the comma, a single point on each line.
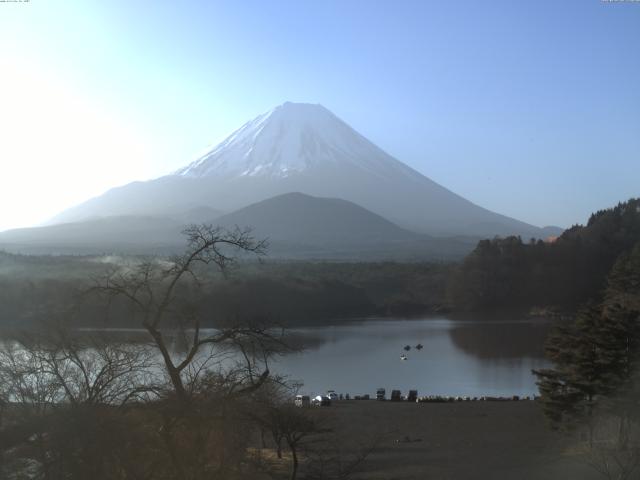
[290, 139]
[305, 148]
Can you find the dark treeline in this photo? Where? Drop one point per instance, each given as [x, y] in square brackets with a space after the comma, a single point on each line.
[311, 292]
[32, 288]
[513, 274]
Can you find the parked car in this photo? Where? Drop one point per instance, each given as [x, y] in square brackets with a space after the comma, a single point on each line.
[321, 401]
[332, 395]
[302, 401]
[413, 396]
[380, 394]
[396, 396]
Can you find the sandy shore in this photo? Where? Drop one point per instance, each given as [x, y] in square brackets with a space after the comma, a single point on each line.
[463, 440]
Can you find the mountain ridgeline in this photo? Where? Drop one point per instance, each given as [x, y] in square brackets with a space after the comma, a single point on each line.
[565, 273]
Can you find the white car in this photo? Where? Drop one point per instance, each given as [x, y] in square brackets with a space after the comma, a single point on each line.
[321, 401]
[332, 395]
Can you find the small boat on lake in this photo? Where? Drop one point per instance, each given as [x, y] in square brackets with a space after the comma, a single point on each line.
[419, 346]
[407, 347]
[403, 357]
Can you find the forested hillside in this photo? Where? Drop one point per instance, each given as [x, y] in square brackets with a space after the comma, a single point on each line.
[561, 273]
[35, 288]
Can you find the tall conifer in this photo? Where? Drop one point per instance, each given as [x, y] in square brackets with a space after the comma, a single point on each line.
[597, 357]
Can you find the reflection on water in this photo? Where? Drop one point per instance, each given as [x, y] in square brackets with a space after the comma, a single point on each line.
[458, 358]
[495, 340]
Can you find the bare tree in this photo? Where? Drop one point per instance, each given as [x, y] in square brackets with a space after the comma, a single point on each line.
[65, 389]
[214, 374]
[151, 289]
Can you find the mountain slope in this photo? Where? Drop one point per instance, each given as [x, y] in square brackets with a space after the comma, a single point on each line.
[130, 234]
[304, 148]
[296, 226]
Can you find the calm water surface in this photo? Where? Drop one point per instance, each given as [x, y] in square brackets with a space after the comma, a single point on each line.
[472, 358]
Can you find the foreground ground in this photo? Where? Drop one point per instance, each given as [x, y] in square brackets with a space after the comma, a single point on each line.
[464, 440]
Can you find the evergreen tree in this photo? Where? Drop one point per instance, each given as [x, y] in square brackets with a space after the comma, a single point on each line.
[569, 390]
[597, 357]
[623, 283]
[622, 310]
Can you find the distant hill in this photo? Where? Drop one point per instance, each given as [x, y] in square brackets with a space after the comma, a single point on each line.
[129, 234]
[138, 234]
[297, 226]
[300, 218]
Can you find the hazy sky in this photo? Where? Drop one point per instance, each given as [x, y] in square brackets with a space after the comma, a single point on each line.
[528, 108]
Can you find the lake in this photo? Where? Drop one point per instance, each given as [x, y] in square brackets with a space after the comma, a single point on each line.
[459, 357]
[472, 357]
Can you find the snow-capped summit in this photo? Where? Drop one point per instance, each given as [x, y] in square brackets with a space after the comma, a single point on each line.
[292, 138]
[301, 147]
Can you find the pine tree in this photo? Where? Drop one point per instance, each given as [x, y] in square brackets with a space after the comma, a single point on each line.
[623, 282]
[621, 308]
[569, 390]
[597, 357]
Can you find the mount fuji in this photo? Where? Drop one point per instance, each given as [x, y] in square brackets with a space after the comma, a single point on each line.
[298, 147]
